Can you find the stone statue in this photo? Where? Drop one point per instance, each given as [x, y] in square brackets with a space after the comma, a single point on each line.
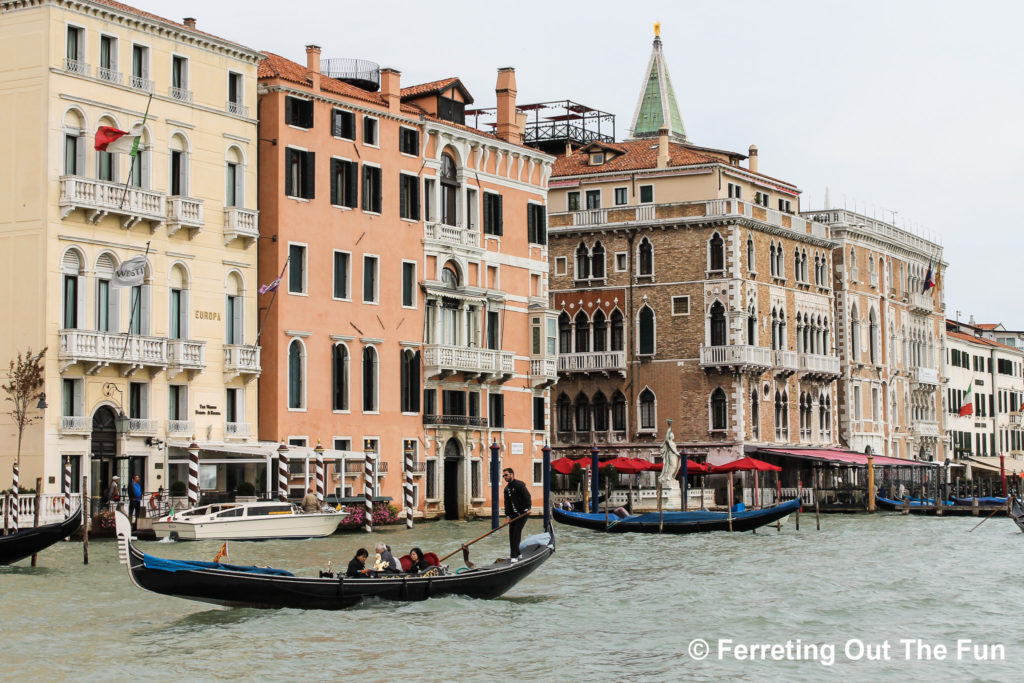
[669, 458]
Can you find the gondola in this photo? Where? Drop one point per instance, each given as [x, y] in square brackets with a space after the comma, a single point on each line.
[912, 503]
[1017, 512]
[264, 587]
[677, 522]
[985, 500]
[27, 542]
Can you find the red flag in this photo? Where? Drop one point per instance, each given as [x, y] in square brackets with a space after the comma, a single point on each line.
[106, 135]
[967, 407]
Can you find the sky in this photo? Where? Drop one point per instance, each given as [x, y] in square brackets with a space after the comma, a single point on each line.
[909, 111]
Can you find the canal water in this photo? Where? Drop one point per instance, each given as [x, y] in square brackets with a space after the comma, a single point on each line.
[865, 598]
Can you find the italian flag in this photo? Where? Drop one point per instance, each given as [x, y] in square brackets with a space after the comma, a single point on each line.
[110, 139]
[967, 407]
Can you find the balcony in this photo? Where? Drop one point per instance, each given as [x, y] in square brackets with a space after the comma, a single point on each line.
[181, 427]
[1015, 421]
[543, 372]
[185, 355]
[925, 428]
[180, 94]
[75, 424]
[96, 350]
[138, 426]
[785, 362]
[739, 358]
[241, 359]
[451, 234]
[444, 360]
[237, 429]
[143, 84]
[241, 224]
[454, 420]
[604, 362]
[184, 212]
[237, 108]
[109, 75]
[817, 365]
[921, 303]
[97, 198]
[76, 66]
[924, 378]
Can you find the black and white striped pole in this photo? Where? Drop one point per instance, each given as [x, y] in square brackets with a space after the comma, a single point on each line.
[283, 472]
[409, 455]
[319, 450]
[67, 487]
[368, 485]
[15, 500]
[193, 473]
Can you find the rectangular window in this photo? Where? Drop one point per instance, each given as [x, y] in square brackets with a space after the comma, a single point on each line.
[409, 196]
[785, 205]
[496, 410]
[593, 199]
[430, 401]
[341, 275]
[680, 305]
[620, 262]
[371, 189]
[735, 191]
[299, 173]
[538, 413]
[475, 478]
[454, 402]
[140, 67]
[370, 279]
[409, 141]
[103, 305]
[761, 198]
[493, 220]
[70, 302]
[344, 183]
[174, 315]
[621, 196]
[572, 201]
[369, 131]
[296, 269]
[108, 60]
[343, 124]
[474, 404]
[561, 265]
[537, 223]
[235, 93]
[408, 284]
[646, 194]
[70, 154]
[232, 180]
[138, 400]
[71, 394]
[431, 477]
[177, 402]
[231, 411]
[298, 112]
[179, 78]
[493, 332]
[233, 319]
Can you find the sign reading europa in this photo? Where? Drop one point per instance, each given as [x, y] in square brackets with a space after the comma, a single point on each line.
[207, 315]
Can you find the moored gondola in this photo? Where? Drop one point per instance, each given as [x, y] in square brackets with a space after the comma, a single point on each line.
[676, 522]
[27, 542]
[1017, 512]
[240, 586]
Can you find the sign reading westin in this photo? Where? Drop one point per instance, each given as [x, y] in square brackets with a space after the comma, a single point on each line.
[130, 273]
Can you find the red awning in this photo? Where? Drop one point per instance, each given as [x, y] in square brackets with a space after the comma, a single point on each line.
[747, 464]
[845, 457]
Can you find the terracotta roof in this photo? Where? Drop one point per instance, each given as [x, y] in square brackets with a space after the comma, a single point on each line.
[121, 7]
[638, 155]
[433, 87]
[987, 326]
[979, 340]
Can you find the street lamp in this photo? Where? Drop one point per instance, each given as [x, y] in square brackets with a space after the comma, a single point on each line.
[42, 402]
[122, 421]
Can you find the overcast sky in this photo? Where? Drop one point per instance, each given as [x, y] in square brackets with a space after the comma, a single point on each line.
[904, 110]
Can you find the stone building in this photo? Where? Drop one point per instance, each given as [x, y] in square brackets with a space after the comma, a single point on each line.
[688, 287]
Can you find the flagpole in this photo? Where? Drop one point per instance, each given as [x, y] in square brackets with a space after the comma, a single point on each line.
[135, 152]
[131, 313]
[271, 304]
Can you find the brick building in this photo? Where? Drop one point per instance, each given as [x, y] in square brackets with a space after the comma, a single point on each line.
[687, 287]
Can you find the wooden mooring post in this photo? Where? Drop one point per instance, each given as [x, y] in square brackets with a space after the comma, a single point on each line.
[7, 512]
[39, 504]
[87, 511]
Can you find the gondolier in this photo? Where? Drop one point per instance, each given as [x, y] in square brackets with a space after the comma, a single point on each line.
[517, 503]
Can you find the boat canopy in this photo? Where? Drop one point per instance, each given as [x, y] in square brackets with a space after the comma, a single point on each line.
[192, 565]
[839, 456]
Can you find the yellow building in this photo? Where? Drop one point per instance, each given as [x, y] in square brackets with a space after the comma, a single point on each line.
[131, 373]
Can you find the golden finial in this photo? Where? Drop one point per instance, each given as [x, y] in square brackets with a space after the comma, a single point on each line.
[657, 29]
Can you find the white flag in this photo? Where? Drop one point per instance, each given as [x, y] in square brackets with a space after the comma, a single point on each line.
[130, 273]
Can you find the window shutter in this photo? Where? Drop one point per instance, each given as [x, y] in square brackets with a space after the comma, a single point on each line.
[352, 184]
[236, 321]
[366, 195]
[542, 225]
[289, 111]
[377, 190]
[309, 175]
[500, 220]
[289, 155]
[531, 223]
[414, 190]
[308, 111]
[335, 172]
[404, 364]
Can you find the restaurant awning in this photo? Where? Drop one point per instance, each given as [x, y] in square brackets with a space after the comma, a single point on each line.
[991, 464]
[841, 457]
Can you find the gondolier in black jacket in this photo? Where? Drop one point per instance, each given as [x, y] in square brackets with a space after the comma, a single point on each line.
[517, 502]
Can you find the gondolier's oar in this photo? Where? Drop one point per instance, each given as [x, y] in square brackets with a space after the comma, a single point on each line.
[465, 546]
[999, 509]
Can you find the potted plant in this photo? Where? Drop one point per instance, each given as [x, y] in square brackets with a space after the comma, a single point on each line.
[245, 493]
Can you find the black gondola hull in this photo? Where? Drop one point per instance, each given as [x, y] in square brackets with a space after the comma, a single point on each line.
[28, 542]
[678, 522]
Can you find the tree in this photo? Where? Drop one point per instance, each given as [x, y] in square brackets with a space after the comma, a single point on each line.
[23, 389]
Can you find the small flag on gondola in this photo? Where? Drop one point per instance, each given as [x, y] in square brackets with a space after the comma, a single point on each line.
[222, 553]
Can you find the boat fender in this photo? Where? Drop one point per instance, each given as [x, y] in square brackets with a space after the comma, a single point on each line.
[463, 569]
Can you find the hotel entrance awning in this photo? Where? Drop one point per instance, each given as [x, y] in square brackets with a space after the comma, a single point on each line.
[840, 457]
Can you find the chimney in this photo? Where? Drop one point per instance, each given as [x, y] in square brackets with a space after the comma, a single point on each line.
[391, 89]
[752, 160]
[508, 124]
[190, 22]
[313, 65]
[663, 147]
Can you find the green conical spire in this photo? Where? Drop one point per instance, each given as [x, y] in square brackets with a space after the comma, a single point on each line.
[657, 106]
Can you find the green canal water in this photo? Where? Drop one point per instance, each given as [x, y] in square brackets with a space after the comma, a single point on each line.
[866, 598]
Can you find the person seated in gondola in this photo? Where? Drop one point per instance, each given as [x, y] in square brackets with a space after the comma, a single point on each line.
[384, 561]
[419, 563]
[357, 565]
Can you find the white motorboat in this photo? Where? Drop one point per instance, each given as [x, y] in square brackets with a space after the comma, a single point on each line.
[248, 522]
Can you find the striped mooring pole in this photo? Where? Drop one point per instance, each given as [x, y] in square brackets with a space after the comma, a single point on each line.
[319, 450]
[368, 485]
[409, 455]
[193, 473]
[282, 472]
[15, 500]
[67, 487]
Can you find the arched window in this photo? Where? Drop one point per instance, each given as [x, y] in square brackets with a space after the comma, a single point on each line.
[108, 298]
[781, 416]
[796, 264]
[582, 262]
[771, 259]
[410, 381]
[618, 412]
[74, 143]
[600, 331]
[719, 413]
[873, 336]
[449, 191]
[600, 413]
[618, 335]
[71, 300]
[825, 415]
[752, 324]
[234, 178]
[179, 168]
[369, 379]
[755, 414]
[177, 305]
[582, 333]
[716, 253]
[106, 162]
[339, 377]
[751, 264]
[138, 305]
[234, 317]
[782, 330]
[597, 261]
[296, 375]
[719, 337]
[563, 408]
[645, 345]
[854, 334]
[564, 333]
[582, 413]
[780, 262]
[803, 265]
[139, 168]
[645, 261]
[648, 411]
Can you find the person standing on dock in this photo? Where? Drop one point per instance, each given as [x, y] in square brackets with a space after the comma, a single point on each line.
[517, 503]
[134, 499]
